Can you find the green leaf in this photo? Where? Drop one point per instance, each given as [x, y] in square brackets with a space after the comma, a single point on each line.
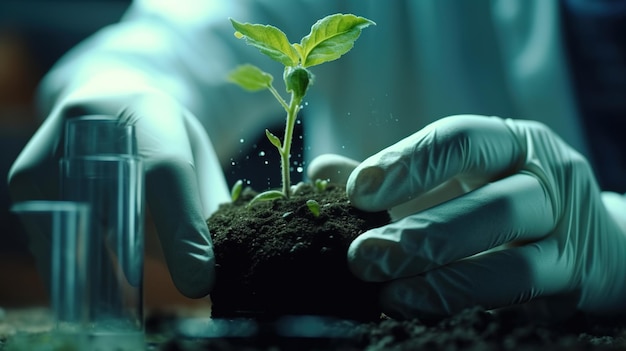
[250, 77]
[267, 196]
[270, 40]
[235, 191]
[297, 80]
[330, 38]
[314, 207]
[273, 139]
[321, 185]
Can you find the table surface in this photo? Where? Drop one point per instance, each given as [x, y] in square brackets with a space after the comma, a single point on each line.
[31, 326]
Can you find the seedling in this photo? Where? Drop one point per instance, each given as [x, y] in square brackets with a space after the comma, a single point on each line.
[321, 185]
[235, 191]
[314, 207]
[330, 38]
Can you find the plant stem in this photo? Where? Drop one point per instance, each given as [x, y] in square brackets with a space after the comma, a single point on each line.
[292, 114]
[278, 97]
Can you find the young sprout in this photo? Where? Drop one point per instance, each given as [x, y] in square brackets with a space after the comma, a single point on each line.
[266, 196]
[235, 191]
[314, 207]
[329, 39]
[320, 185]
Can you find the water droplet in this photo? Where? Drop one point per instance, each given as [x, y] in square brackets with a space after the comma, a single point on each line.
[241, 140]
[298, 122]
[299, 169]
[232, 163]
[306, 103]
[262, 153]
[266, 162]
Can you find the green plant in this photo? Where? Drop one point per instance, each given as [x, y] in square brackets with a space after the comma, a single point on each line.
[320, 185]
[329, 39]
[235, 191]
[314, 207]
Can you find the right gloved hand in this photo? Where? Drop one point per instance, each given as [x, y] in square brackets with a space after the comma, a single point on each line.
[488, 212]
[184, 180]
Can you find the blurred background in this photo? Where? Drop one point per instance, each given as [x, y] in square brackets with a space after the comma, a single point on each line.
[33, 35]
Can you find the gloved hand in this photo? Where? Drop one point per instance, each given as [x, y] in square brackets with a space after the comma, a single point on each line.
[488, 212]
[184, 180]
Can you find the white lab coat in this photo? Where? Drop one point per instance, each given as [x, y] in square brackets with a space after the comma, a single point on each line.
[424, 60]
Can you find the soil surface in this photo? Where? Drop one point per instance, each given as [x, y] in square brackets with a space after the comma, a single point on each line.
[277, 258]
[472, 329]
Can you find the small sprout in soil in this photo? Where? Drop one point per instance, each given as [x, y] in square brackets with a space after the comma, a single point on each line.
[320, 185]
[266, 196]
[329, 39]
[314, 207]
[235, 191]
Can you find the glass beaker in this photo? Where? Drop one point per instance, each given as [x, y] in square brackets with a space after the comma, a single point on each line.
[64, 226]
[101, 167]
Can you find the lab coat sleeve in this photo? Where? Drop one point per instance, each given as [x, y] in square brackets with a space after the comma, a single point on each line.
[529, 33]
[183, 49]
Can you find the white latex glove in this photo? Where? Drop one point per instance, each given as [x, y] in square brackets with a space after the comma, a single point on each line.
[473, 184]
[184, 180]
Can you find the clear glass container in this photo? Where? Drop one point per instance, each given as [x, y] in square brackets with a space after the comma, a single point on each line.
[101, 167]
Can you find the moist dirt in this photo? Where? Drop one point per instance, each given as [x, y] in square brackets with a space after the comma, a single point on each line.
[283, 270]
[277, 257]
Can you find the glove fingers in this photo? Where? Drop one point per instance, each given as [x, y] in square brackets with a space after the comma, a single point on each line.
[475, 149]
[35, 176]
[35, 173]
[493, 280]
[174, 195]
[212, 186]
[180, 223]
[514, 208]
[331, 167]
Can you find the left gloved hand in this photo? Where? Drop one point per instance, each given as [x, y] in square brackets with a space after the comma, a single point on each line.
[184, 180]
[465, 188]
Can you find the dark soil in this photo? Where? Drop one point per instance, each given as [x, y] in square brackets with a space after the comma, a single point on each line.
[472, 329]
[276, 258]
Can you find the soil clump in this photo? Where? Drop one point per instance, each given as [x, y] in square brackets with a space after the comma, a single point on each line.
[277, 258]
